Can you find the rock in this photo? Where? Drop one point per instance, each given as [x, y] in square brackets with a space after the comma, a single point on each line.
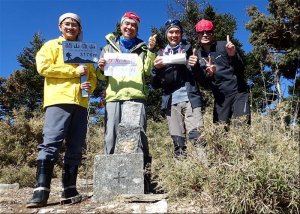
[9, 187]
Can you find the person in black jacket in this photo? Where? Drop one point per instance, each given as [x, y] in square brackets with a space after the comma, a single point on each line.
[181, 99]
[222, 67]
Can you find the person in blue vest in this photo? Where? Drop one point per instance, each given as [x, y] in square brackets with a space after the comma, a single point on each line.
[181, 98]
[221, 66]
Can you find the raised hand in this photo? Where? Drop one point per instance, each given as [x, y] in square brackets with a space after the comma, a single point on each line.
[152, 41]
[230, 47]
[193, 59]
[210, 67]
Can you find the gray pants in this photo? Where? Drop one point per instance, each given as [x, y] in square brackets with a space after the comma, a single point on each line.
[182, 120]
[64, 122]
[113, 116]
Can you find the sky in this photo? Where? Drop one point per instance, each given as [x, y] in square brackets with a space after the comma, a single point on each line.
[21, 19]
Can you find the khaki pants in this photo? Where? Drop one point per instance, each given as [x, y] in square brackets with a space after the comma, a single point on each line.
[184, 120]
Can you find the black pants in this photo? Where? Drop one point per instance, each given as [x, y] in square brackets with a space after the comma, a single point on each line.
[234, 106]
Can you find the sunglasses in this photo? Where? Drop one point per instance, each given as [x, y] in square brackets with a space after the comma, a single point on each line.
[207, 32]
[172, 22]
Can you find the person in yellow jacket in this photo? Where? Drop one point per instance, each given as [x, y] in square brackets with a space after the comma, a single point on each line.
[126, 88]
[65, 113]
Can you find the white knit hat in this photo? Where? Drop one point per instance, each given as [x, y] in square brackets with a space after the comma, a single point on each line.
[69, 15]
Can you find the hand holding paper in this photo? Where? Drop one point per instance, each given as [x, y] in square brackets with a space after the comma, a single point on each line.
[158, 62]
[101, 63]
[82, 69]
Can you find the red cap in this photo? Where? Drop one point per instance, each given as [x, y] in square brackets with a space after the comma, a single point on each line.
[131, 15]
[203, 25]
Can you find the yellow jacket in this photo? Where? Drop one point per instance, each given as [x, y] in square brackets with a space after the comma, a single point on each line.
[62, 81]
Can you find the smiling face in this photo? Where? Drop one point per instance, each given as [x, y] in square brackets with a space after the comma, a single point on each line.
[174, 36]
[129, 28]
[70, 29]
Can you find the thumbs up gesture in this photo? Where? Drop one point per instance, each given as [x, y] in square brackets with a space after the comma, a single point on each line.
[152, 41]
[230, 47]
[193, 59]
[210, 67]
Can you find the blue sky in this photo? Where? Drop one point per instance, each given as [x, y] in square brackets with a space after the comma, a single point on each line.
[20, 19]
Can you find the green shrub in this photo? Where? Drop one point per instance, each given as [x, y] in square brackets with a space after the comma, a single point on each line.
[19, 137]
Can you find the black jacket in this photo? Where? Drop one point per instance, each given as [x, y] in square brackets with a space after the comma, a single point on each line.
[174, 76]
[229, 76]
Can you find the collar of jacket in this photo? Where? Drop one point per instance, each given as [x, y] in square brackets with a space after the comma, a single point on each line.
[114, 41]
[60, 39]
[185, 46]
[212, 47]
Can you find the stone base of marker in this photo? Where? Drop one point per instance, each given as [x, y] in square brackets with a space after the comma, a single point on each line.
[117, 174]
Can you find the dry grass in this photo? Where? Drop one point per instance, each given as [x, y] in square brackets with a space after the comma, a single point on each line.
[251, 169]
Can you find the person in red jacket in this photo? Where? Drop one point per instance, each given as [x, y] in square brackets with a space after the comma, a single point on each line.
[221, 66]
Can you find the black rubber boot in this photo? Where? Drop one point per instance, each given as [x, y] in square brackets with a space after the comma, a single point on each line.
[69, 194]
[43, 182]
[179, 147]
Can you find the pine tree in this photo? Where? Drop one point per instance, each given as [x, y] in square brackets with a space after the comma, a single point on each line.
[276, 39]
[23, 87]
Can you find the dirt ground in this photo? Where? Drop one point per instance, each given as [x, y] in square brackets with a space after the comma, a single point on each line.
[14, 201]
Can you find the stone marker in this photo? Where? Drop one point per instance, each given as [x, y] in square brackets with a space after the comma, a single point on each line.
[117, 174]
[129, 137]
[131, 113]
[122, 172]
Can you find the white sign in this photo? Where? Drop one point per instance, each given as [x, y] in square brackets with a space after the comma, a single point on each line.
[121, 64]
[80, 52]
[179, 58]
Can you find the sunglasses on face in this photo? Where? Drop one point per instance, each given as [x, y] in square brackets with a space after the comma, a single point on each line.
[207, 32]
[172, 22]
